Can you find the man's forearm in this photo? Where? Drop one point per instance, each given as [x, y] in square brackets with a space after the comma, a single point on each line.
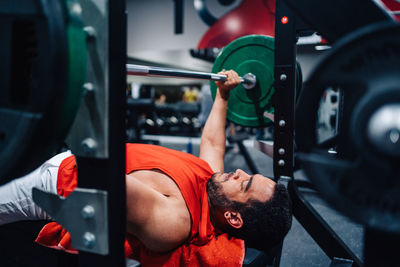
[214, 129]
[212, 147]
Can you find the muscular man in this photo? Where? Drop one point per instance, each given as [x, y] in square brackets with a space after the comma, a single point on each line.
[178, 204]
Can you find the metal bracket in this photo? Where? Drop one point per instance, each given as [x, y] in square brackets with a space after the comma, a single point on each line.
[83, 214]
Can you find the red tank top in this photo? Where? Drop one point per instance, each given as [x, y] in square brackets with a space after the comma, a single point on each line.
[191, 175]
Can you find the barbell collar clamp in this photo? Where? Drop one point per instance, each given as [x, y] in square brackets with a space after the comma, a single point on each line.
[249, 80]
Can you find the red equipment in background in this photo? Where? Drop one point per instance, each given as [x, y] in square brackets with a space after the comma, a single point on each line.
[250, 17]
[394, 8]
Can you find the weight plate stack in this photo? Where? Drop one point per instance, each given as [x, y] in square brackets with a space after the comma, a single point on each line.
[359, 175]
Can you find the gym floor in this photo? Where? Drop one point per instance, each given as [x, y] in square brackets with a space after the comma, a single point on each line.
[299, 249]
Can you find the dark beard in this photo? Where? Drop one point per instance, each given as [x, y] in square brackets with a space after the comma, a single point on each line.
[215, 195]
[219, 203]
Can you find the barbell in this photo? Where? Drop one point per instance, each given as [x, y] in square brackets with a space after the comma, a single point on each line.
[252, 57]
[249, 80]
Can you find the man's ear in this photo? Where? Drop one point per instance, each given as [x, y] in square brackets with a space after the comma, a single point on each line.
[234, 219]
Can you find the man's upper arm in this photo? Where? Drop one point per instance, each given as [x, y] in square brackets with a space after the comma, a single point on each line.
[213, 156]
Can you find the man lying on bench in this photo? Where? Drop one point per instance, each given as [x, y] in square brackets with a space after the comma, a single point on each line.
[181, 210]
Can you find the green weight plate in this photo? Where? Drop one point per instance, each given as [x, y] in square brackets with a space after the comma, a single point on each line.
[249, 54]
[77, 56]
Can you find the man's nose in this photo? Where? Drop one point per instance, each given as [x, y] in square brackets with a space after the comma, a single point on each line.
[241, 173]
[235, 175]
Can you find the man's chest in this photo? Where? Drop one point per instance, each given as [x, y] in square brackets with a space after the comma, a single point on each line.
[160, 182]
[172, 220]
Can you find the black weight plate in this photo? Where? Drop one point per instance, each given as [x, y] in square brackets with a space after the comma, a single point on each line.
[359, 181]
[33, 91]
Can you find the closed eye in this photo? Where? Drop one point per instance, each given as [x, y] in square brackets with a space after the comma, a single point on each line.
[242, 185]
[249, 183]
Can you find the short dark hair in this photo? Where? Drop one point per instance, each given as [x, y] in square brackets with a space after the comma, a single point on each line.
[265, 224]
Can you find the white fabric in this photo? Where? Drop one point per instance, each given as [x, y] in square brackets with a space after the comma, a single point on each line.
[16, 202]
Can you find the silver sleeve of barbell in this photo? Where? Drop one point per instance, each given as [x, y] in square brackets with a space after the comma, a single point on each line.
[165, 72]
[137, 69]
[218, 77]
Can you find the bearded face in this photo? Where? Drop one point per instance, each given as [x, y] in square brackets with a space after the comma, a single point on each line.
[216, 196]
